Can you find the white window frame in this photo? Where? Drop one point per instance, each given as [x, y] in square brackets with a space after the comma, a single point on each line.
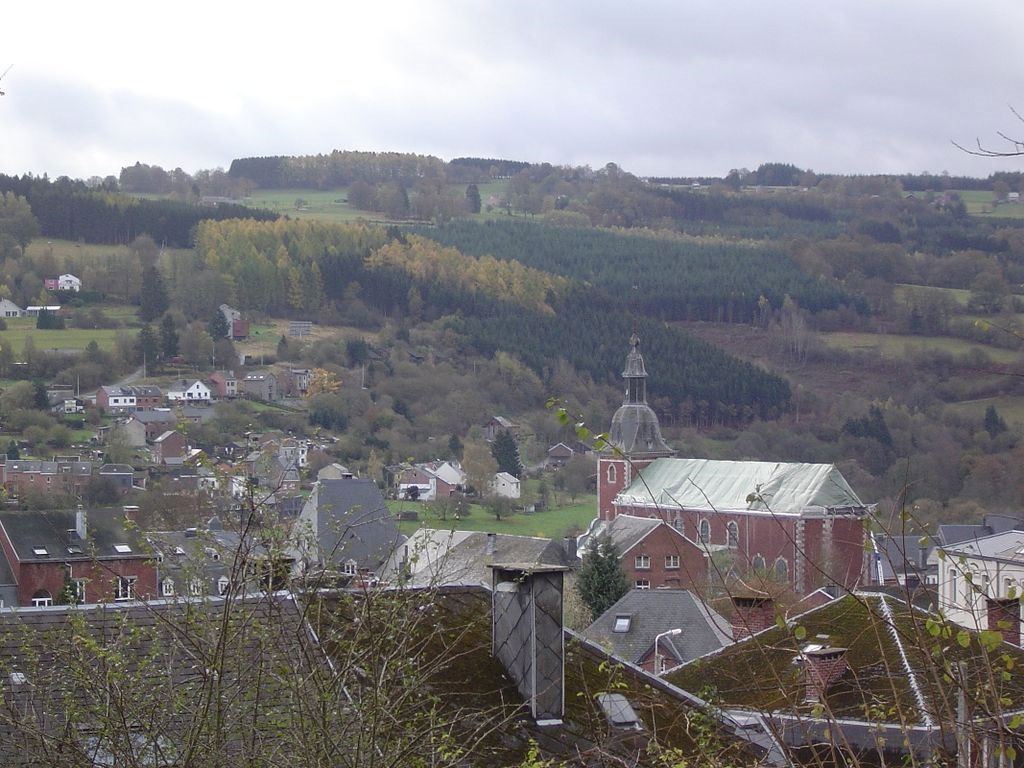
[642, 562]
[223, 584]
[42, 602]
[642, 584]
[79, 587]
[195, 588]
[671, 562]
[351, 568]
[126, 587]
[167, 587]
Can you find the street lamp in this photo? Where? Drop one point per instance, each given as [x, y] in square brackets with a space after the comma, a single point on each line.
[657, 639]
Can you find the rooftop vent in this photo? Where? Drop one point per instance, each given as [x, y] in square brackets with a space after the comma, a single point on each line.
[619, 711]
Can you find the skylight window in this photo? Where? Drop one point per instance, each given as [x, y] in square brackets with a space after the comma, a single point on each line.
[122, 549]
[622, 623]
[39, 551]
[619, 711]
[74, 549]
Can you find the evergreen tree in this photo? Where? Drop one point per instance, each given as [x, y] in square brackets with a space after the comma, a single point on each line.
[472, 199]
[153, 301]
[149, 346]
[282, 347]
[40, 400]
[455, 446]
[994, 423]
[218, 326]
[601, 580]
[506, 453]
[168, 337]
[12, 451]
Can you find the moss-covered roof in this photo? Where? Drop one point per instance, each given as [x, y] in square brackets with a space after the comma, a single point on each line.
[451, 641]
[900, 663]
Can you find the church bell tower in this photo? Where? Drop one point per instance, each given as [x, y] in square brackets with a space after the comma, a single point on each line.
[634, 438]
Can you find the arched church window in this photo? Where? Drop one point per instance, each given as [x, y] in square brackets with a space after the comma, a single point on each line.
[758, 562]
[732, 535]
[612, 474]
[705, 531]
[782, 569]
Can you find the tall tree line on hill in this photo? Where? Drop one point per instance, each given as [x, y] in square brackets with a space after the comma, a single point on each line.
[70, 210]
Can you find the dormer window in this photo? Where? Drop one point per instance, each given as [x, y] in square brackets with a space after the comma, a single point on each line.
[222, 585]
[622, 622]
[350, 568]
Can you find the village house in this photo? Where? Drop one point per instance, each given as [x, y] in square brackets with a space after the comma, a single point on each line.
[65, 476]
[90, 552]
[238, 327]
[505, 485]
[9, 309]
[654, 554]
[260, 385]
[224, 384]
[115, 399]
[121, 475]
[188, 390]
[144, 427]
[33, 310]
[688, 629]
[498, 424]
[981, 582]
[786, 519]
[171, 447]
[66, 282]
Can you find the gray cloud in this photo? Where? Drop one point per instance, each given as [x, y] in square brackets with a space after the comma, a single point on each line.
[669, 88]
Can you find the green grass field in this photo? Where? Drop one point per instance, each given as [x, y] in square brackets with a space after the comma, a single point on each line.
[68, 249]
[21, 328]
[551, 524]
[897, 345]
[1010, 407]
[959, 295]
[980, 203]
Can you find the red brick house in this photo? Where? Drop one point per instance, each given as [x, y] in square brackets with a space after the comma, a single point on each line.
[170, 448]
[800, 524]
[69, 477]
[654, 554]
[89, 553]
[224, 384]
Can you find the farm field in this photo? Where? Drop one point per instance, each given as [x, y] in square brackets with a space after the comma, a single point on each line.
[21, 328]
[551, 523]
[263, 337]
[979, 203]
[897, 345]
[1010, 407]
[959, 295]
[70, 250]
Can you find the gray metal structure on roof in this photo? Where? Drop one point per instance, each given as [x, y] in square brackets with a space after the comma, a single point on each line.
[1007, 546]
[764, 486]
[652, 612]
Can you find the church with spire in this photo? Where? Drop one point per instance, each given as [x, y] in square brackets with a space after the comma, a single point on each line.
[634, 440]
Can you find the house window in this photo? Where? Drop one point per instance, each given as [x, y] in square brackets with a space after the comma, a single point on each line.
[659, 664]
[611, 473]
[952, 586]
[671, 561]
[758, 562]
[222, 585]
[79, 586]
[195, 587]
[41, 599]
[679, 526]
[705, 532]
[732, 535]
[126, 587]
[782, 569]
[642, 584]
[622, 622]
[643, 562]
[167, 588]
[1009, 589]
[351, 568]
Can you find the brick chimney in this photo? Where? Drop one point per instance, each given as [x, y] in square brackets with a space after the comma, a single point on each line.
[751, 614]
[526, 635]
[1005, 611]
[822, 668]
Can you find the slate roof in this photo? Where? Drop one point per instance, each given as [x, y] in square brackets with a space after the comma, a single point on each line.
[206, 555]
[625, 531]
[653, 611]
[893, 676]
[49, 467]
[899, 555]
[707, 484]
[52, 659]
[450, 634]
[1008, 547]
[437, 557]
[154, 417]
[104, 529]
[352, 521]
[117, 469]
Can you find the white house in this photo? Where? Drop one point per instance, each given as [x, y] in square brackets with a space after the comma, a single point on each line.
[69, 282]
[191, 391]
[32, 310]
[505, 485]
[980, 576]
[9, 309]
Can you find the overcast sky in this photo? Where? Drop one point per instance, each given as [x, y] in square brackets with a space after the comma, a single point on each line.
[672, 88]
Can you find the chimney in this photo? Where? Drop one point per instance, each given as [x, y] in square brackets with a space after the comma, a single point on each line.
[492, 538]
[80, 522]
[751, 614]
[569, 545]
[822, 668]
[1004, 617]
[527, 635]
